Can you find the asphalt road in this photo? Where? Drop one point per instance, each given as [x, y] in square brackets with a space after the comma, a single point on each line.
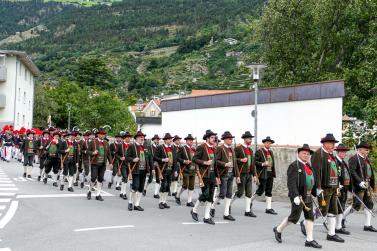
[40, 217]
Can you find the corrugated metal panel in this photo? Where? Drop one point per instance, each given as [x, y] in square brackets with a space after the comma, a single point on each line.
[330, 89]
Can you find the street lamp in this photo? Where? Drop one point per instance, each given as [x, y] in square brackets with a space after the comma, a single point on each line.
[69, 107]
[257, 70]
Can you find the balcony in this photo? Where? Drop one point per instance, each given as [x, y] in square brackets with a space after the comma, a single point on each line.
[148, 120]
[3, 73]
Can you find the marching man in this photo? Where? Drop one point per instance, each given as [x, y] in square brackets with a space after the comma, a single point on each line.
[138, 170]
[265, 163]
[99, 152]
[301, 181]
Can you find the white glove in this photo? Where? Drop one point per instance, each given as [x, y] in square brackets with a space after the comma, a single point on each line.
[340, 186]
[319, 192]
[363, 185]
[296, 200]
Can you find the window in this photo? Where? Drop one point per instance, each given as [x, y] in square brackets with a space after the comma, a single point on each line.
[24, 97]
[25, 74]
[153, 113]
[29, 105]
[19, 73]
[19, 94]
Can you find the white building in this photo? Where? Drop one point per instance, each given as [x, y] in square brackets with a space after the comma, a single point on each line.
[291, 115]
[17, 73]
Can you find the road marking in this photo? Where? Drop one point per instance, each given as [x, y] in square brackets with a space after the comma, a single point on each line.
[7, 185]
[9, 214]
[64, 195]
[202, 223]
[102, 228]
[8, 188]
[5, 249]
[2, 207]
[4, 178]
[19, 179]
[102, 191]
[7, 194]
[5, 200]
[5, 181]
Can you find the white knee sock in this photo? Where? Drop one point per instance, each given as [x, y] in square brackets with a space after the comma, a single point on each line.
[161, 200]
[156, 188]
[70, 181]
[99, 187]
[283, 225]
[247, 204]
[348, 211]
[254, 197]
[146, 185]
[339, 219]
[130, 199]
[123, 188]
[175, 186]
[189, 198]
[137, 199]
[29, 168]
[165, 197]
[207, 209]
[215, 201]
[195, 208]
[226, 206]
[309, 230]
[268, 202]
[25, 169]
[117, 181]
[368, 217]
[331, 222]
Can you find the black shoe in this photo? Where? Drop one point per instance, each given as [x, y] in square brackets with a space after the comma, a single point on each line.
[39, 178]
[138, 208]
[121, 195]
[29, 176]
[190, 204]
[343, 223]
[212, 212]
[178, 200]
[166, 206]
[76, 184]
[312, 244]
[45, 180]
[161, 205]
[70, 189]
[130, 207]
[55, 184]
[271, 211]
[58, 177]
[277, 235]
[117, 188]
[342, 231]
[99, 197]
[109, 185]
[24, 175]
[370, 228]
[156, 196]
[334, 238]
[65, 179]
[125, 196]
[194, 215]
[174, 194]
[209, 221]
[144, 192]
[303, 229]
[229, 217]
[82, 185]
[61, 187]
[89, 195]
[250, 214]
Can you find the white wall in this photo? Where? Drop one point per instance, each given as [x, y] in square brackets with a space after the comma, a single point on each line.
[150, 130]
[288, 123]
[19, 89]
